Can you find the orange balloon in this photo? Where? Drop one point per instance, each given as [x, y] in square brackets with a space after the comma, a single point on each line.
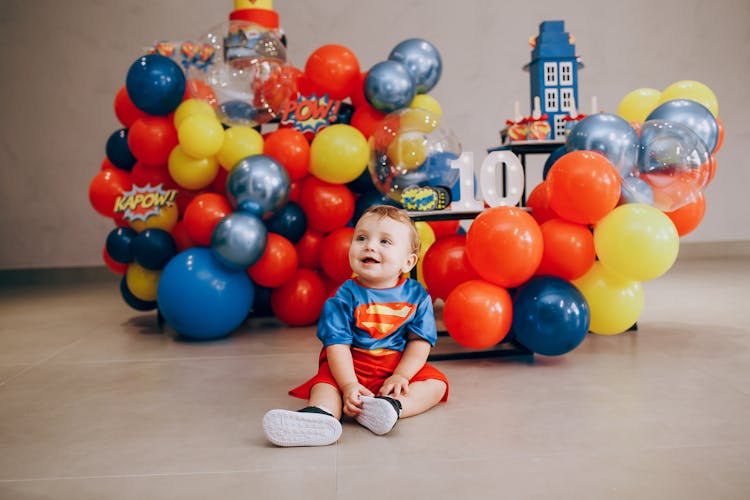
[443, 228]
[200, 90]
[290, 148]
[504, 245]
[366, 119]
[478, 314]
[334, 69]
[583, 187]
[278, 263]
[202, 214]
[688, 217]
[720, 140]
[568, 249]
[538, 202]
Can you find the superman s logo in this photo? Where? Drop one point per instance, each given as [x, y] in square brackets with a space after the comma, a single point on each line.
[380, 320]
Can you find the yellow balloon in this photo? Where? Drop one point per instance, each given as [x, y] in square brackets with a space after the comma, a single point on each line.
[426, 239]
[615, 303]
[166, 219]
[637, 241]
[408, 150]
[638, 104]
[695, 91]
[190, 172]
[142, 282]
[339, 154]
[239, 142]
[200, 135]
[424, 101]
[192, 107]
[418, 120]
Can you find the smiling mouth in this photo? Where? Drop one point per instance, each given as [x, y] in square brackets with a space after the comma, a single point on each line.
[369, 260]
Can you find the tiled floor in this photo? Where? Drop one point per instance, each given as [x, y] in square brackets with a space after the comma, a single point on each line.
[96, 404]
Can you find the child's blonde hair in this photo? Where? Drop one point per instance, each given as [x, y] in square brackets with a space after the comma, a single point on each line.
[399, 215]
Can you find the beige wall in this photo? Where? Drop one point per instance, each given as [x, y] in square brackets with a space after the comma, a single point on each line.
[63, 62]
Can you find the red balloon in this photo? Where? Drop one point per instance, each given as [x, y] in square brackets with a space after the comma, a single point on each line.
[720, 139]
[538, 202]
[300, 300]
[309, 248]
[478, 314]
[443, 228]
[277, 264]
[113, 265]
[504, 245]
[334, 69]
[142, 175]
[327, 206]
[181, 237]
[151, 139]
[445, 266]
[290, 148]
[334, 254]
[688, 217]
[197, 89]
[125, 110]
[219, 184]
[366, 119]
[202, 214]
[583, 187]
[568, 249]
[107, 164]
[295, 191]
[106, 187]
[358, 92]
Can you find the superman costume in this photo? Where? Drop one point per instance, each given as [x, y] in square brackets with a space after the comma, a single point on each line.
[377, 323]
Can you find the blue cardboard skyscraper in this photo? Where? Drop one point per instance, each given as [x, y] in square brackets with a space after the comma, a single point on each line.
[553, 72]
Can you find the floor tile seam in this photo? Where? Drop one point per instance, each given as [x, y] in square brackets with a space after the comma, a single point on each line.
[172, 359]
[40, 362]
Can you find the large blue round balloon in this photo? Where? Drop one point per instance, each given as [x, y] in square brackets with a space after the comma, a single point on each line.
[259, 185]
[153, 248]
[693, 115]
[607, 134]
[550, 316]
[422, 61]
[155, 84]
[201, 298]
[238, 240]
[118, 151]
[289, 221]
[119, 244]
[389, 86]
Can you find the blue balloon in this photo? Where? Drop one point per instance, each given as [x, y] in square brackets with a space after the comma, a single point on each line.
[259, 185]
[118, 244]
[422, 61]
[693, 115]
[237, 112]
[202, 299]
[118, 151]
[132, 300]
[262, 302]
[636, 190]
[389, 86]
[155, 84]
[439, 170]
[362, 184]
[550, 316]
[289, 221]
[551, 159]
[238, 240]
[370, 199]
[607, 134]
[346, 111]
[153, 248]
[668, 146]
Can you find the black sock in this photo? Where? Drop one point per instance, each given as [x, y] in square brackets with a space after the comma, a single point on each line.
[395, 402]
[314, 409]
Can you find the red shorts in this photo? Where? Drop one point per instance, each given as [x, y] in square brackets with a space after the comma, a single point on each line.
[371, 370]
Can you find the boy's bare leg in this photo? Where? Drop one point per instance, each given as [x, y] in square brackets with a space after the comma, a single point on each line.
[423, 395]
[326, 397]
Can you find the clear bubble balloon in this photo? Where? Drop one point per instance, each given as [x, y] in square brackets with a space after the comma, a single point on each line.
[410, 158]
[259, 185]
[609, 135]
[691, 114]
[248, 73]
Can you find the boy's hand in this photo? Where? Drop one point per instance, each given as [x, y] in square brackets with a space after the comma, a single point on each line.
[351, 397]
[395, 385]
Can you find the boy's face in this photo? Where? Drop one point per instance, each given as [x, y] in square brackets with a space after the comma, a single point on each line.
[380, 251]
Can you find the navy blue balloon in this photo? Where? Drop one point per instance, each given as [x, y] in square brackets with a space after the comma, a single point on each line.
[345, 113]
[201, 298]
[551, 159]
[369, 199]
[238, 240]
[550, 316]
[155, 84]
[693, 115]
[118, 151]
[389, 86]
[607, 134]
[237, 112]
[422, 61]
[153, 248]
[132, 300]
[119, 244]
[262, 302]
[289, 221]
[362, 184]
[258, 185]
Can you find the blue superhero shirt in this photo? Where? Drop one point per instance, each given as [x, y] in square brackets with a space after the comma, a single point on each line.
[371, 319]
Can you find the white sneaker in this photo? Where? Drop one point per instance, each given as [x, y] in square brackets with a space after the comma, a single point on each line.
[378, 415]
[294, 428]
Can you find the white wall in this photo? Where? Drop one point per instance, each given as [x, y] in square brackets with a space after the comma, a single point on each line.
[63, 62]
